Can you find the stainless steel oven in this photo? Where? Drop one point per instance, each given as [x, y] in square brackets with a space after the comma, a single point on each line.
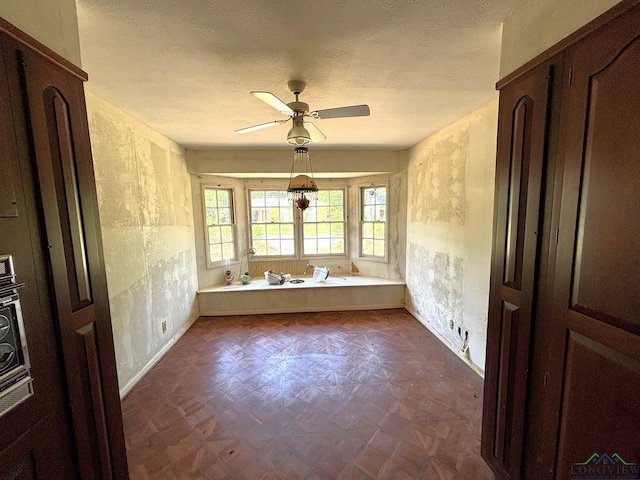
[16, 384]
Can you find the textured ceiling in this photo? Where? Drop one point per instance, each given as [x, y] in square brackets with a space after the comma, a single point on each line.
[185, 67]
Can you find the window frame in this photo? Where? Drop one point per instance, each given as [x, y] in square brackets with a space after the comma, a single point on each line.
[345, 228]
[250, 224]
[234, 226]
[361, 192]
[298, 226]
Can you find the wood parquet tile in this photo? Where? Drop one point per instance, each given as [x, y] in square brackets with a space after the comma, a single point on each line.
[335, 395]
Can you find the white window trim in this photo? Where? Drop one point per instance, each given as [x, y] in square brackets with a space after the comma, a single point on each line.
[234, 225]
[296, 248]
[373, 258]
[345, 223]
[298, 226]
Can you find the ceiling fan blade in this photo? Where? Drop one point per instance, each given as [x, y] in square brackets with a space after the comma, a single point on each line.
[273, 101]
[341, 112]
[261, 126]
[314, 132]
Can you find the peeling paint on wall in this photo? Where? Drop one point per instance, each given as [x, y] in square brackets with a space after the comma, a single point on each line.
[450, 210]
[438, 179]
[144, 199]
[440, 298]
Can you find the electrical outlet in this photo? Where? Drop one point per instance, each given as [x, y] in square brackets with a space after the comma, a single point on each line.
[466, 335]
[451, 325]
[460, 331]
[164, 326]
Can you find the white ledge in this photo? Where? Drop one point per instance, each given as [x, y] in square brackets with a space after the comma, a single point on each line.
[335, 293]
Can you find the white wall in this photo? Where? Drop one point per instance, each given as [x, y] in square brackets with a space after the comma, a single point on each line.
[144, 198]
[540, 24]
[449, 234]
[53, 23]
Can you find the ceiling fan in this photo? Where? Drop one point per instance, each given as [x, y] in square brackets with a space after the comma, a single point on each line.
[302, 131]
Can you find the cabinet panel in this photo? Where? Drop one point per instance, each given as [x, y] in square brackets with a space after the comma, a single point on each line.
[66, 183]
[601, 407]
[593, 337]
[523, 116]
[605, 281]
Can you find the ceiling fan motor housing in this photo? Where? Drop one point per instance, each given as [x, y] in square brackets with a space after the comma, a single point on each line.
[300, 108]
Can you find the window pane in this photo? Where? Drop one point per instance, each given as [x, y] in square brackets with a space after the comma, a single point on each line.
[286, 231]
[227, 250]
[273, 214]
[219, 212]
[337, 230]
[337, 245]
[212, 216]
[323, 214]
[367, 247]
[324, 230]
[368, 197]
[257, 215]
[324, 246]
[214, 235]
[378, 247]
[210, 198]
[286, 215]
[336, 197]
[215, 253]
[224, 216]
[310, 230]
[323, 197]
[257, 198]
[368, 213]
[260, 246]
[226, 233]
[223, 198]
[272, 198]
[288, 247]
[273, 247]
[337, 214]
[272, 222]
[374, 209]
[309, 215]
[258, 232]
[367, 230]
[273, 231]
[310, 247]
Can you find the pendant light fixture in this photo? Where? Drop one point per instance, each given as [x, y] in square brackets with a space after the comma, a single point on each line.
[302, 188]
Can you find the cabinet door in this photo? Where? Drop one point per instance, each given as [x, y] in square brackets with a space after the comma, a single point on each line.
[60, 136]
[29, 430]
[594, 368]
[522, 132]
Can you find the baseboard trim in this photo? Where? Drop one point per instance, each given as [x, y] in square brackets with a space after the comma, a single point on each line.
[156, 358]
[304, 309]
[447, 343]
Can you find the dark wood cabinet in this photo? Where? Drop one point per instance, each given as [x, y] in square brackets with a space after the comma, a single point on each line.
[71, 427]
[563, 349]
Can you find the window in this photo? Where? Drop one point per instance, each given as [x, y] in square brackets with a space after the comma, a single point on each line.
[324, 224]
[272, 223]
[219, 224]
[373, 205]
[277, 230]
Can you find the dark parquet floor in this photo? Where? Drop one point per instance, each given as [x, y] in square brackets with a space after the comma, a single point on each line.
[336, 395]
